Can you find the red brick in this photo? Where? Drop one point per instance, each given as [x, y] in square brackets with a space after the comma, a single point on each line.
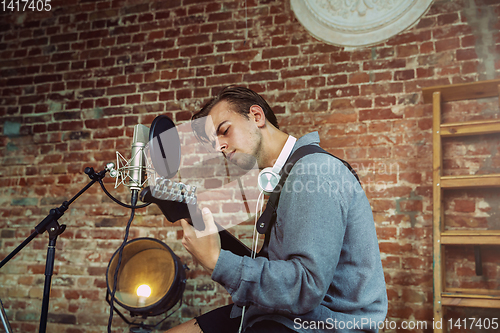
[205, 60]
[379, 152]
[410, 37]
[280, 63]
[395, 248]
[295, 84]
[117, 100]
[452, 31]
[320, 48]
[465, 206]
[338, 92]
[446, 19]
[240, 56]
[378, 114]
[447, 44]
[319, 59]
[404, 75]
[121, 90]
[150, 97]
[339, 68]
[384, 64]
[101, 102]
[205, 49]
[382, 89]
[119, 80]
[411, 205]
[259, 65]
[311, 71]
[135, 78]
[198, 39]
[341, 56]
[239, 68]
[426, 47]
[385, 101]
[468, 41]
[449, 70]
[363, 54]
[167, 95]
[362, 102]
[225, 36]
[263, 76]
[316, 82]
[469, 67]
[284, 51]
[425, 72]
[466, 54]
[123, 39]
[359, 78]
[223, 16]
[280, 41]
[411, 177]
[343, 141]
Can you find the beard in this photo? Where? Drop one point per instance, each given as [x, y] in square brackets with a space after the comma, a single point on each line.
[244, 161]
[249, 159]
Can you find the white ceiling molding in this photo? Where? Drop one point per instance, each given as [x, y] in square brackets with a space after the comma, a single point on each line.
[358, 23]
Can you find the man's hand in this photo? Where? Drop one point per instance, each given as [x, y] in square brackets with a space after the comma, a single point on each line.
[204, 245]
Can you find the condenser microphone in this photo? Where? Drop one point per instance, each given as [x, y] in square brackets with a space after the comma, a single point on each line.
[131, 173]
[138, 161]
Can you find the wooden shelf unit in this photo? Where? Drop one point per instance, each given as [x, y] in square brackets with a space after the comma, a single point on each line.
[441, 237]
[477, 298]
[473, 237]
[457, 182]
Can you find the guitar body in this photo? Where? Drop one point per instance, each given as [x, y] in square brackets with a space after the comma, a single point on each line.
[175, 211]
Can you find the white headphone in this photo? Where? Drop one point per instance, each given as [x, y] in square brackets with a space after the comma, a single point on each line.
[270, 177]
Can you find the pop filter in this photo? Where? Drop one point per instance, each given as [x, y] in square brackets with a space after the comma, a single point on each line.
[164, 146]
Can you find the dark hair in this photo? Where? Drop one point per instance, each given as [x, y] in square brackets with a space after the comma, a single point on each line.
[241, 99]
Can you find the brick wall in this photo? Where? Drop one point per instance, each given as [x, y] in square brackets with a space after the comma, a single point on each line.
[75, 79]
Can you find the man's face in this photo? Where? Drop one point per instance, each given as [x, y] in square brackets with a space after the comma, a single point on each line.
[237, 137]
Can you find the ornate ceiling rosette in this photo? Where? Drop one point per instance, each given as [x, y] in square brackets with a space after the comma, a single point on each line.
[358, 23]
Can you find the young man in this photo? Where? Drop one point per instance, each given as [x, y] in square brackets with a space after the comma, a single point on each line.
[323, 271]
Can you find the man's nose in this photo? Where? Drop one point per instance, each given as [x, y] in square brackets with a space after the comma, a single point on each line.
[220, 146]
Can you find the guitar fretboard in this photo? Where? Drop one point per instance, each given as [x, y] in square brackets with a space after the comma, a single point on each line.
[166, 189]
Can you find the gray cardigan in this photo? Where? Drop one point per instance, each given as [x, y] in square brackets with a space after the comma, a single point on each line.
[324, 271]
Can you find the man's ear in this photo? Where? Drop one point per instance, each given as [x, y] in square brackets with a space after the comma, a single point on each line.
[258, 115]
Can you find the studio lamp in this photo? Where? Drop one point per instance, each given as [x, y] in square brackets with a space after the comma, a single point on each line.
[149, 282]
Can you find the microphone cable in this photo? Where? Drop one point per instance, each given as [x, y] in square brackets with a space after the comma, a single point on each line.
[121, 203]
[255, 241]
[133, 201]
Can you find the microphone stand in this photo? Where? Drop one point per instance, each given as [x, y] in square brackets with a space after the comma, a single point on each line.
[51, 225]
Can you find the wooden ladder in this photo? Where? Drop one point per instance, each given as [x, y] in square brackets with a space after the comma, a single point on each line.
[443, 296]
